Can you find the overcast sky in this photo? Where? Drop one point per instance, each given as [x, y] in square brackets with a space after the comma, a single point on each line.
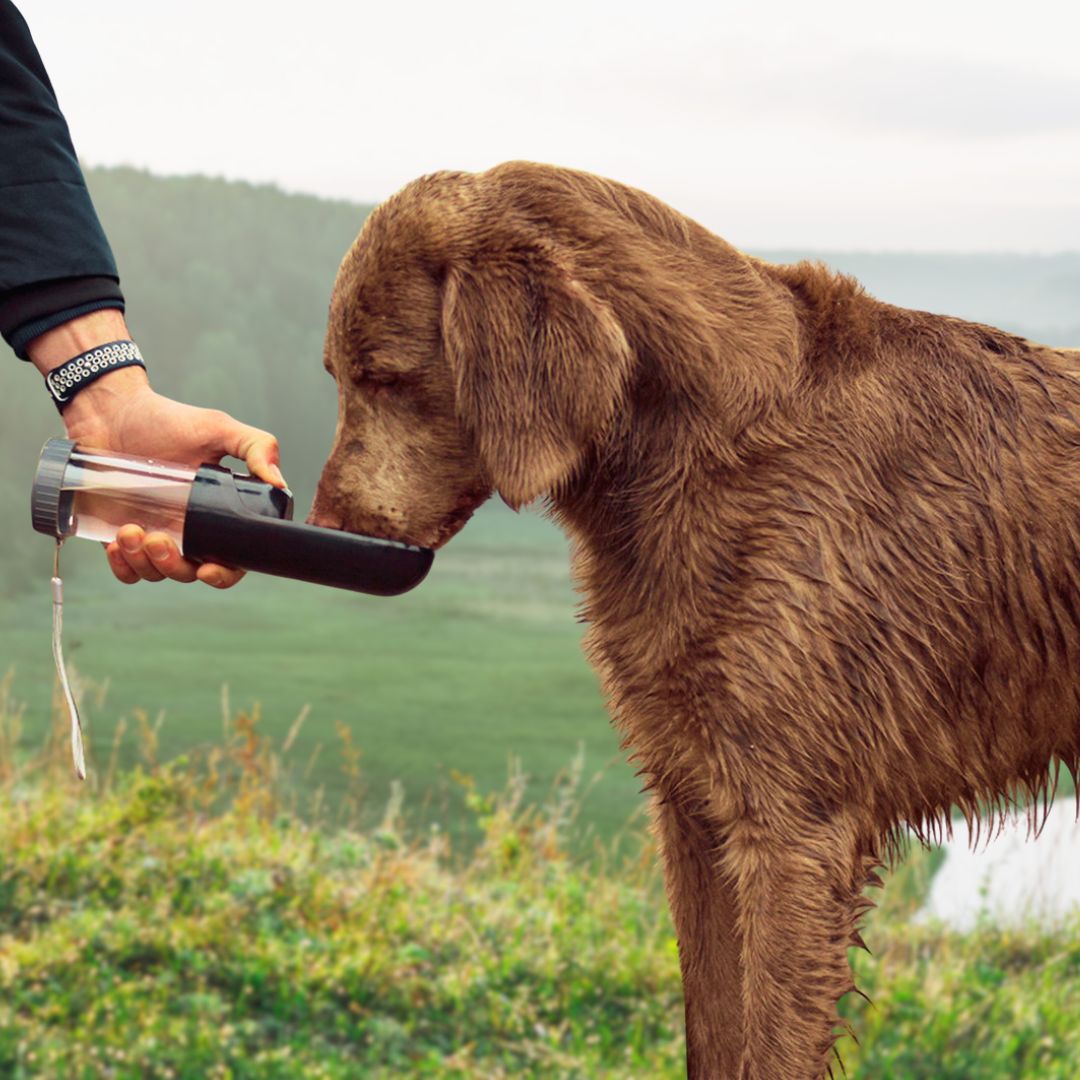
[919, 125]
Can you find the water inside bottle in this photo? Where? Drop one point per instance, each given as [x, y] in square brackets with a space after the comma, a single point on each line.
[110, 490]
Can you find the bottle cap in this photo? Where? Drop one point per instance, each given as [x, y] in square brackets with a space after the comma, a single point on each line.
[47, 494]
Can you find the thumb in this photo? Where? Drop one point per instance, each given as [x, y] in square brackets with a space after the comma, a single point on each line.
[257, 449]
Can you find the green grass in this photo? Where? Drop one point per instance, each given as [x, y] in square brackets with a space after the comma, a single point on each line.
[139, 937]
[145, 934]
[481, 661]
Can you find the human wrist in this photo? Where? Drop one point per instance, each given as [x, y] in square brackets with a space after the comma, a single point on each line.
[91, 411]
[78, 335]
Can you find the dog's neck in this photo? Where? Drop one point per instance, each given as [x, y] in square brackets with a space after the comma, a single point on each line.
[708, 376]
[639, 513]
[662, 505]
[659, 504]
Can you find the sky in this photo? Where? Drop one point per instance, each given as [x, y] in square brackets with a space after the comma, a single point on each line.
[835, 125]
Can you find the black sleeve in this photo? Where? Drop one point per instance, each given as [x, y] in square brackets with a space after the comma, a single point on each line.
[55, 261]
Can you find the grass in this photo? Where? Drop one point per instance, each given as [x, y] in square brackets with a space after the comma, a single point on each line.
[148, 930]
[181, 920]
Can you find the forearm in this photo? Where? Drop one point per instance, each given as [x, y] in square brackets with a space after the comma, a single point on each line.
[119, 411]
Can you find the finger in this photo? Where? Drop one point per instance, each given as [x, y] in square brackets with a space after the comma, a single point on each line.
[166, 558]
[130, 538]
[258, 449]
[220, 577]
[118, 564]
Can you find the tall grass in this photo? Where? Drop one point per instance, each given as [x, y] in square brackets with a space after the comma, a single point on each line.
[181, 919]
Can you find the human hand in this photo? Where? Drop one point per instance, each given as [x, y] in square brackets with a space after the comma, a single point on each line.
[137, 420]
[121, 412]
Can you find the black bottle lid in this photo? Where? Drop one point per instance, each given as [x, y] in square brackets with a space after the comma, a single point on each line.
[50, 505]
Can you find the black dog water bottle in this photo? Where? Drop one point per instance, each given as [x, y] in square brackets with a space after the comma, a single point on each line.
[213, 515]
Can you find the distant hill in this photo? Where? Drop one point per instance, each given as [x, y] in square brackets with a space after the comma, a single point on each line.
[1037, 296]
[228, 284]
[227, 287]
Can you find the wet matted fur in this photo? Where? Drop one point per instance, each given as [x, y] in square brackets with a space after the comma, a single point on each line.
[829, 548]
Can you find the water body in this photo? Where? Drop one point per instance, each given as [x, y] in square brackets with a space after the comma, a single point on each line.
[1013, 878]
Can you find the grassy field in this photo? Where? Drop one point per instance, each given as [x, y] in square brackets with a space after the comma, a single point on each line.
[145, 934]
[479, 663]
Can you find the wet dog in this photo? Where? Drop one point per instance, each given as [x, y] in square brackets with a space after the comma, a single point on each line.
[830, 548]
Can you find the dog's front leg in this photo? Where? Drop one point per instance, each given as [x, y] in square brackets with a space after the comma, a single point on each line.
[798, 884]
[704, 909]
[764, 915]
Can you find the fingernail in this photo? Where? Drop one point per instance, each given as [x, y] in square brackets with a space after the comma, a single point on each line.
[277, 475]
[158, 549]
[130, 543]
[213, 578]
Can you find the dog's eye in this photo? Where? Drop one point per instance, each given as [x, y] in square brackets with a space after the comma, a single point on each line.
[373, 369]
[368, 377]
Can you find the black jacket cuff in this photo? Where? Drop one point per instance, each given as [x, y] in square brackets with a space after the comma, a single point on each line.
[34, 306]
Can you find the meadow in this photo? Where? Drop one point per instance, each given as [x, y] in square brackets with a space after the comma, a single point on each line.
[480, 662]
[179, 921]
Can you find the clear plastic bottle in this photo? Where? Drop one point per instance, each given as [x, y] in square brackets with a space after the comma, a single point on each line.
[101, 490]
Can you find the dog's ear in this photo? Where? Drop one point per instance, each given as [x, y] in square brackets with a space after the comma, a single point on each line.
[539, 365]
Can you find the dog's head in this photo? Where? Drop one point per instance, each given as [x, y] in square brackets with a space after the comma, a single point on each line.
[469, 354]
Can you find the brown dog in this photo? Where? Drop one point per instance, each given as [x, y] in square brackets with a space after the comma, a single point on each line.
[830, 547]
